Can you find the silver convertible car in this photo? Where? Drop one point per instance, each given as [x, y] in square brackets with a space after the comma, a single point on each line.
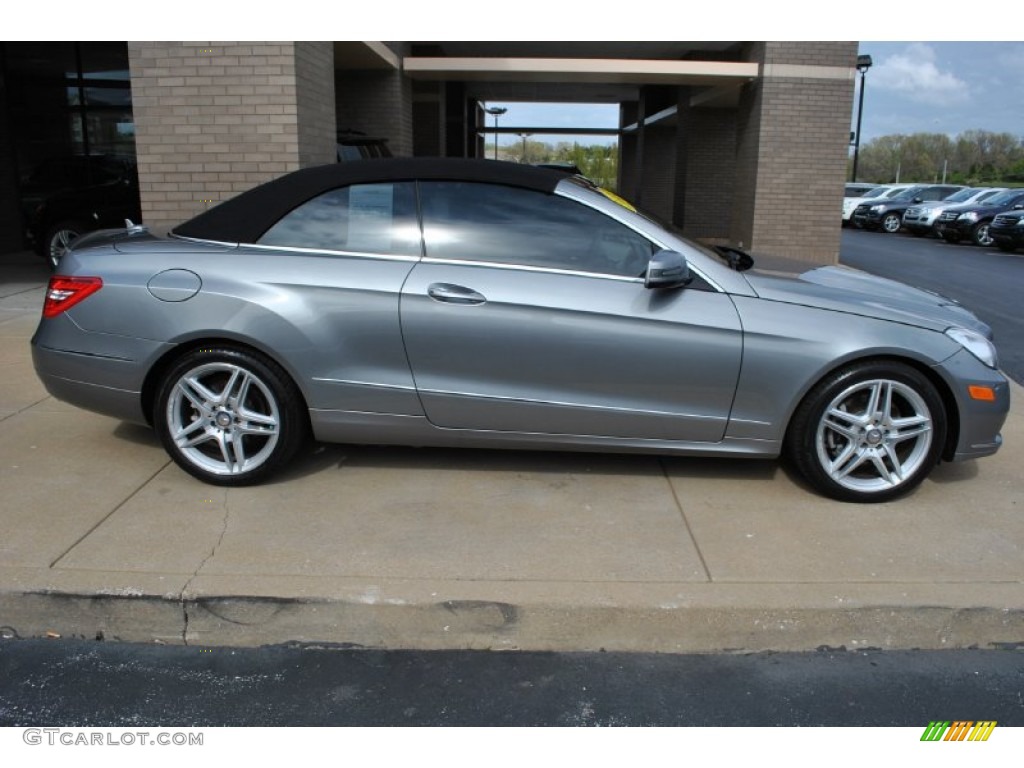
[475, 303]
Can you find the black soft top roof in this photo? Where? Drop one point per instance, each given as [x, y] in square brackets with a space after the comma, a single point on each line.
[243, 219]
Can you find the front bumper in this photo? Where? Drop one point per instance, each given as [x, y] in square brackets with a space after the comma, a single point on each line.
[1012, 236]
[957, 228]
[980, 421]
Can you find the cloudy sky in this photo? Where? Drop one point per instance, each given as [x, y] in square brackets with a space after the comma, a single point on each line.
[943, 88]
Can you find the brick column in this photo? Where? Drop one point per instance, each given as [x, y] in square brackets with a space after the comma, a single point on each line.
[705, 171]
[793, 128]
[378, 103]
[216, 119]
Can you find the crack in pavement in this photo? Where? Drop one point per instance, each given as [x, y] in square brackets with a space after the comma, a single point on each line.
[213, 551]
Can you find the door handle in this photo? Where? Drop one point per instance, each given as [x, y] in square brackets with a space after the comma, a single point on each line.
[454, 294]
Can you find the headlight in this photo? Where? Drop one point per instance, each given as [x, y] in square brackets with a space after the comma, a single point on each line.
[976, 344]
[1020, 221]
[877, 208]
[969, 216]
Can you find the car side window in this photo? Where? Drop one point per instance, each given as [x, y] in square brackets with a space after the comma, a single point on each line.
[469, 221]
[362, 218]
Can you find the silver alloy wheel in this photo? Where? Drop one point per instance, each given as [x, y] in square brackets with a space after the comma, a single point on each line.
[892, 223]
[981, 235]
[223, 418]
[874, 435]
[58, 243]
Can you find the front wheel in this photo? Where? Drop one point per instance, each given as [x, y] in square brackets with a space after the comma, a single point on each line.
[980, 234]
[229, 416]
[892, 222]
[869, 432]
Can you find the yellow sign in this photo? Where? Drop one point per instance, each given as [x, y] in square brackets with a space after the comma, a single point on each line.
[616, 199]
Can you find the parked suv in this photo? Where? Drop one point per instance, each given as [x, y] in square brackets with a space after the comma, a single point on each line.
[878, 194]
[356, 145]
[1007, 230]
[920, 220]
[856, 193]
[972, 221]
[887, 215]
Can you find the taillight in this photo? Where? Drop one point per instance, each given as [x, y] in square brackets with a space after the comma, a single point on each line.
[64, 292]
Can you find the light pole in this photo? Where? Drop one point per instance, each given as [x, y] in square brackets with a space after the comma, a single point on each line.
[497, 112]
[863, 65]
[524, 137]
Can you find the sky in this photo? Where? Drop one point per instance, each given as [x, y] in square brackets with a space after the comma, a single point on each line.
[942, 87]
[912, 87]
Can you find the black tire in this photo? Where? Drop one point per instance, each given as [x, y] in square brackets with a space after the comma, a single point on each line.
[57, 239]
[239, 419]
[891, 223]
[844, 441]
[980, 235]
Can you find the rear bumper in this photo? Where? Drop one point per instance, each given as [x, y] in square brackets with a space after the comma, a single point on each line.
[95, 371]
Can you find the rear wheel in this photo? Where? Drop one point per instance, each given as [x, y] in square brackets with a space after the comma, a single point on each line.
[868, 432]
[229, 416]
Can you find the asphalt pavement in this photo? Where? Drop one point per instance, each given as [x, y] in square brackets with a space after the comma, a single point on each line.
[442, 549]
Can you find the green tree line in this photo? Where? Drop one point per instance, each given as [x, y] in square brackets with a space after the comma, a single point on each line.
[973, 157]
[598, 162]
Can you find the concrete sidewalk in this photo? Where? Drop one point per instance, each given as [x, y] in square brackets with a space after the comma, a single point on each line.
[404, 548]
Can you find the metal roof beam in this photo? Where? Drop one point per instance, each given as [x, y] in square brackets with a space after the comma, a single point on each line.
[638, 71]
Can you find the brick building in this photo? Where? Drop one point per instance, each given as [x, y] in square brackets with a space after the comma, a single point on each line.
[744, 142]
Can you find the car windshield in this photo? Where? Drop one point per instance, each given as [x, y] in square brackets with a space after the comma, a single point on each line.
[1005, 198]
[989, 194]
[906, 194]
[962, 196]
[892, 191]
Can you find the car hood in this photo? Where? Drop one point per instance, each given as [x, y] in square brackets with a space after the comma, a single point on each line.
[842, 289]
[976, 207]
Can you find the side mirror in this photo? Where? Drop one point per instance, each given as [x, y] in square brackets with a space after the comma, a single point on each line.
[737, 259]
[917, 200]
[667, 269]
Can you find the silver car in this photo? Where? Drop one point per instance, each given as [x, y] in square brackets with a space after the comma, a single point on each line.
[476, 303]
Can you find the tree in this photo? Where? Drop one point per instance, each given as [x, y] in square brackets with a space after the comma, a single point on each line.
[973, 157]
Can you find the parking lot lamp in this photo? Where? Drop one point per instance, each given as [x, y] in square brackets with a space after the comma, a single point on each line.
[497, 112]
[524, 137]
[863, 65]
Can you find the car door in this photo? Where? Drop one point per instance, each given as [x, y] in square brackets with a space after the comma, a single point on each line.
[336, 265]
[528, 313]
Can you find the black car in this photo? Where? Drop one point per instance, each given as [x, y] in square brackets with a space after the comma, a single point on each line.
[1007, 231]
[973, 221]
[887, 215]
[60, 217]
[355, 145]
